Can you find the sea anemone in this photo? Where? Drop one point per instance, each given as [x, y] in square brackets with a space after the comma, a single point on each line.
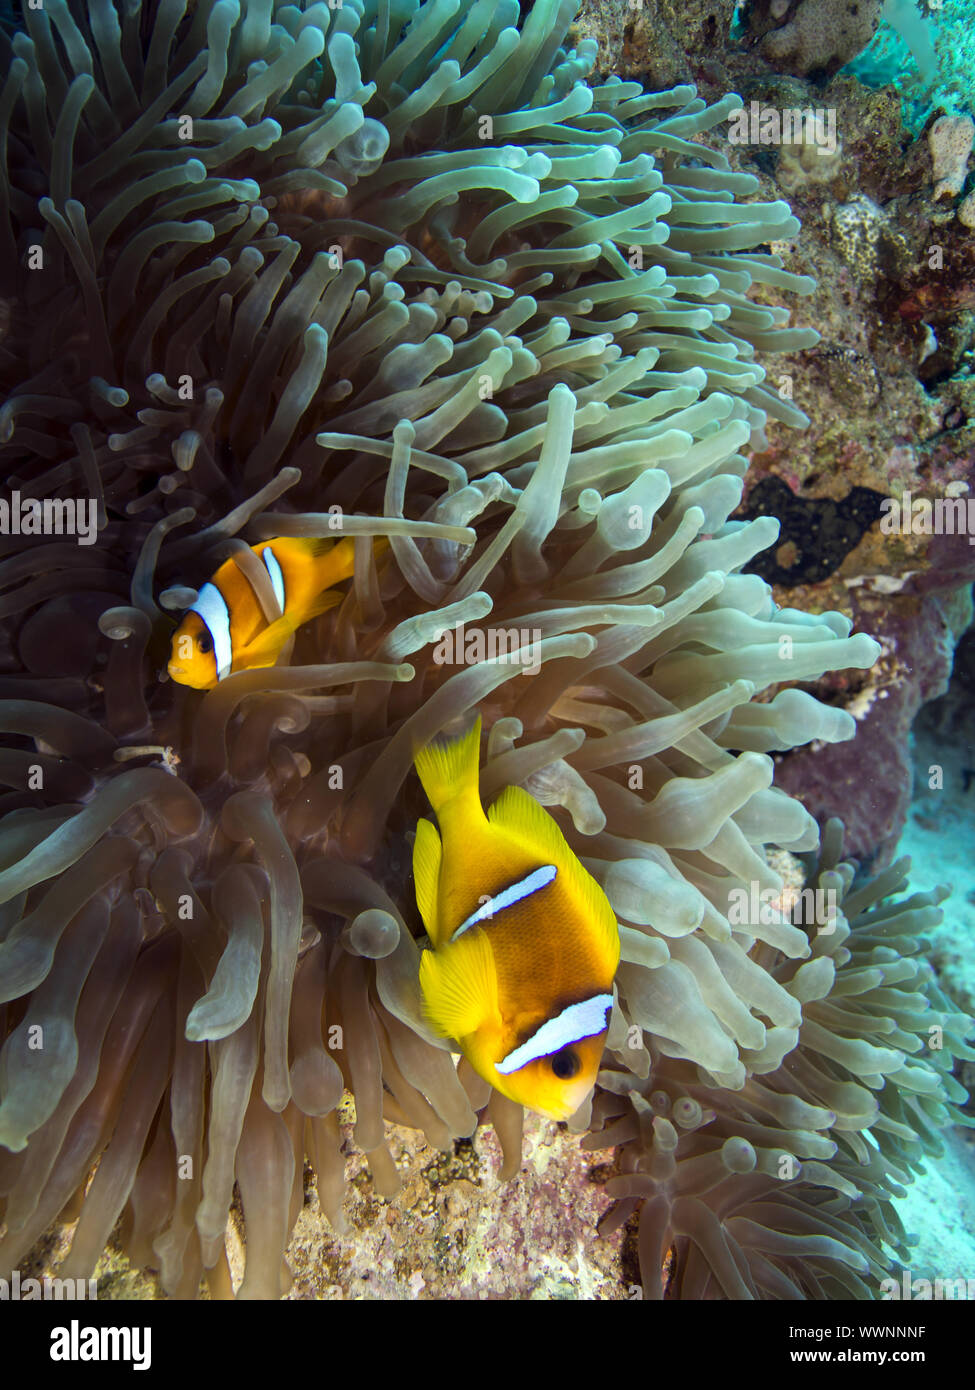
[784, 1186]
[395, 270]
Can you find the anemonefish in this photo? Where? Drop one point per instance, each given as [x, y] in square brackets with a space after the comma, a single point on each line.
[227, 629]
[525, 943]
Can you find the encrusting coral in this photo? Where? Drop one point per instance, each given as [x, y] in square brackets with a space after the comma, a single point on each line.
[950, 139]
[810, 36]
[398, 270]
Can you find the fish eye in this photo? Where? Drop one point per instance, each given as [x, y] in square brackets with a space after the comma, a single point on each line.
[565, 1064]
[205, 642]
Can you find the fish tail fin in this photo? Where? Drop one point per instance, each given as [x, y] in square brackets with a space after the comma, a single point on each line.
[337, 563]
[448, 768]
[342, 557]
[326, 599]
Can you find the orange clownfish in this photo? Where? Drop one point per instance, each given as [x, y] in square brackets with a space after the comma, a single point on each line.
[226, 629]
[525, 943]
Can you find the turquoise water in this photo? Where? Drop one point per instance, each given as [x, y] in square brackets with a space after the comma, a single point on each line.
[940, 837]
[944, 33]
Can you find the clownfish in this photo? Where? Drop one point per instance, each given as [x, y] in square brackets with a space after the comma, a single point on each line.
[227, 630]
[525, 942]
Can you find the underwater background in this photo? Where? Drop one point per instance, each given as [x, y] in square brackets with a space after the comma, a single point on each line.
[517, 289]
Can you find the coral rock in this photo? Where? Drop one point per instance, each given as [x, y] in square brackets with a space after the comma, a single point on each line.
[812, 36]
[950, 139]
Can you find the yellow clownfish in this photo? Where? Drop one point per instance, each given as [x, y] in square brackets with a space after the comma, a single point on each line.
[226, 629]
[525, 943]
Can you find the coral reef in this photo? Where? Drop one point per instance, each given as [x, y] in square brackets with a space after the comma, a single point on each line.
[402, 271]
[889, 391]
[919, 636]
[923, 52]
[664, 41]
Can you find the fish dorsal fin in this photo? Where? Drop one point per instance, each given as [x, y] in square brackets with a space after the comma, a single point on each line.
[265, 648]
[298, 547]
[460, 986]
[517, 812]
[333, 558]
[427, 855]
[448, 768]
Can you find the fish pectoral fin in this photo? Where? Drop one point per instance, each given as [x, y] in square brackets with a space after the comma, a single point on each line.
[427, 856]
[459, 986]
[517, 812]
[265, 648]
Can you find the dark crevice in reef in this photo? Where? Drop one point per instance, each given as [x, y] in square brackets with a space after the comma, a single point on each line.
[817, 532]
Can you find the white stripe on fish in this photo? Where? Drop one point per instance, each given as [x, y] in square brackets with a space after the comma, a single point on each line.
[274, 570]
[212, 607]
[514, 893]
[573, 1024]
